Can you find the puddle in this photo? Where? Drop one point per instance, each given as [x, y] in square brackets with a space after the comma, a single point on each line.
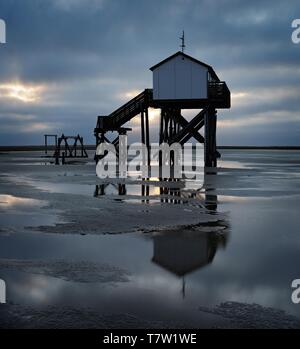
[111, 274]
[18, 212]
[9, 202]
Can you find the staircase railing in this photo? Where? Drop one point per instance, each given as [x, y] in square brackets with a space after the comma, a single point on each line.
[123, 114]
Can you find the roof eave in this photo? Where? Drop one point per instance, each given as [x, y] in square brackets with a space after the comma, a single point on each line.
[184, 55]
[211, 70]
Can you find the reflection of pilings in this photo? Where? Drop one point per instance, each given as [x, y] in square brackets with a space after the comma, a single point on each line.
[211, 197]
[211, 200]
[173, 195]
[183, 287]
[169, 194]
[122, 189]
[100, 189]
[145, 192]
[170, 191]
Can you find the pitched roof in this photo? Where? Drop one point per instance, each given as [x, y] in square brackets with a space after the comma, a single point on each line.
[179, 53]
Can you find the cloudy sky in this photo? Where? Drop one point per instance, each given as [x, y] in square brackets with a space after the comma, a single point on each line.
[67, 61]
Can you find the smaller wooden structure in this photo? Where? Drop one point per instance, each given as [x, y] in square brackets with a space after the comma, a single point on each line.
[66, 149]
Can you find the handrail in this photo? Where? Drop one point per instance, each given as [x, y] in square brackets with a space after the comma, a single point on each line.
[131, 108]
[220, 87]
[126, 105]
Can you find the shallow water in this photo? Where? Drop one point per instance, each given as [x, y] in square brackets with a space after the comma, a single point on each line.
[251, 256]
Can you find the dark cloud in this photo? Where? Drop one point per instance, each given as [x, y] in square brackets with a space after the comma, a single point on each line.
[89, 53]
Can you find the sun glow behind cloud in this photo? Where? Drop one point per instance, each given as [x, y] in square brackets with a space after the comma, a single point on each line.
[128, 95]
[21, 92]
[154, 117]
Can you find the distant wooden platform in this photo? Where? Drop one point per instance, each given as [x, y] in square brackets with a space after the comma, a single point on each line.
[35, 148]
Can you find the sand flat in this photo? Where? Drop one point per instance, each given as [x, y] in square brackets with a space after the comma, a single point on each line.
[173, 257]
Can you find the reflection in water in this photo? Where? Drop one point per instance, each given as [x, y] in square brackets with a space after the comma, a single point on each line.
[238, 275]
[10, 201]
[171, 191]
[182, 252]
[100, 190]
[185, 250]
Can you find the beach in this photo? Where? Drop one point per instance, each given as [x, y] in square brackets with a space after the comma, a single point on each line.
[219, 252]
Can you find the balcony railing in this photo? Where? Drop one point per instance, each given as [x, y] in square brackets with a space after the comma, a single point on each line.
[219, 94]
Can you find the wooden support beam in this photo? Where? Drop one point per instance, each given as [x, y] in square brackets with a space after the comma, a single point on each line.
[143, 135]
[189, 129]
[210, 149]
[142, 127]
[147, 137]
[161, 128]
[194, 134]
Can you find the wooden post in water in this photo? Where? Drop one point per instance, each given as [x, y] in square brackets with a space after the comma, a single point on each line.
[147, 139]
[210, 147]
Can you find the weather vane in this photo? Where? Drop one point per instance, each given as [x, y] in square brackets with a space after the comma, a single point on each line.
[182, 42]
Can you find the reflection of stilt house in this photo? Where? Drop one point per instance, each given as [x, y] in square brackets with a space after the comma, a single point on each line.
[186, 252]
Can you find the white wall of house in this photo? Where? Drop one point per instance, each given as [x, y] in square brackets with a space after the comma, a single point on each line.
[180, 78]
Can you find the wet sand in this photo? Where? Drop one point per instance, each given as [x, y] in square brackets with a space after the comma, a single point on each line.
[211, 253]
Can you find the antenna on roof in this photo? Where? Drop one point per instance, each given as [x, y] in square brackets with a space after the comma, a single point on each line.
[182, 42]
